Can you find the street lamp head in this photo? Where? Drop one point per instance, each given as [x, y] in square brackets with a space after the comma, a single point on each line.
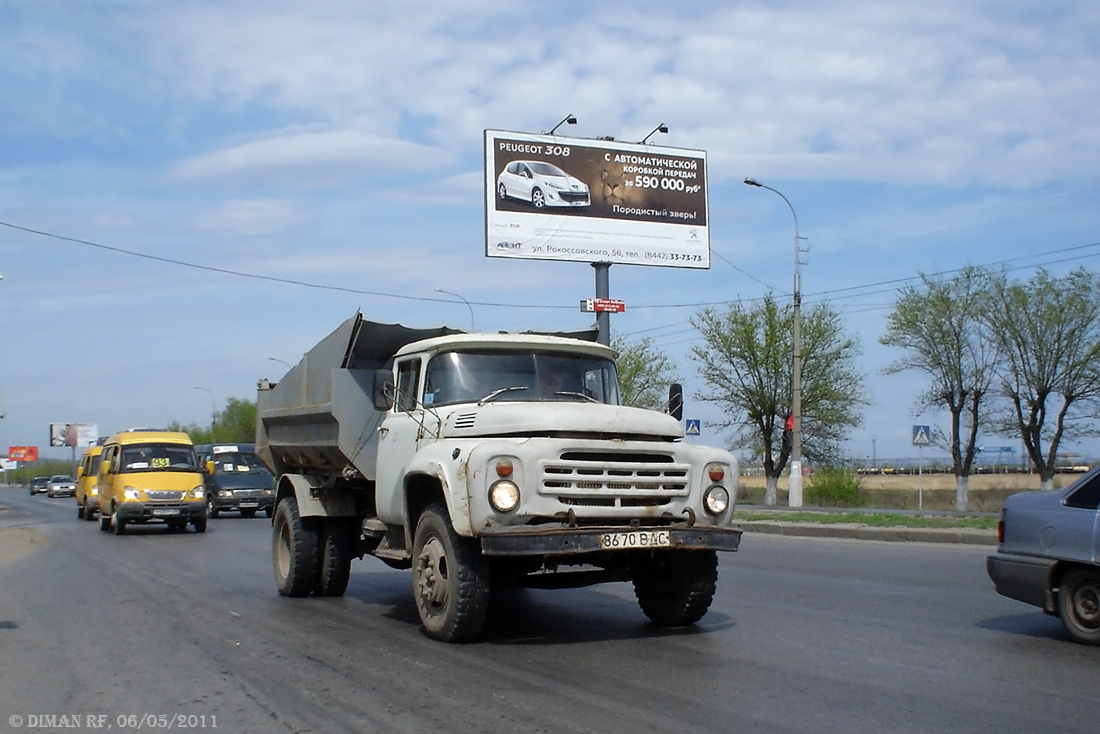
[753, 182]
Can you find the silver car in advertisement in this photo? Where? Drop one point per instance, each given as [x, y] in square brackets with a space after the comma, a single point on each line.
[542, 184]
[1048, 554]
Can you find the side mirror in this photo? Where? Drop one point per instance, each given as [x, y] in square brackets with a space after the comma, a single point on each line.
[382, 394]
[210, 467]
[676, 401]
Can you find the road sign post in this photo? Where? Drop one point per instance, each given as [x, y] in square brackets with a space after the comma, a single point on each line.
[922, 436]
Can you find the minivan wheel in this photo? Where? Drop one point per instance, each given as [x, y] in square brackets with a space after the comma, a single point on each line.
[210, 509]
[119, 524]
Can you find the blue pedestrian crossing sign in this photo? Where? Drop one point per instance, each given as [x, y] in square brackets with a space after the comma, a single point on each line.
[922, 435]
[693, 427]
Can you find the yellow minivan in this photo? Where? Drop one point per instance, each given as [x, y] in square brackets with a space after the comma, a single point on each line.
[150, 476]
[87, 480]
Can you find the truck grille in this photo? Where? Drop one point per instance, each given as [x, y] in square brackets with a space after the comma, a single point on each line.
[164, 495]
[607, 479]
[247, 493]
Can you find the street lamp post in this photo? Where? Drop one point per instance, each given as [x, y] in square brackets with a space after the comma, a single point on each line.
[213, 408]
[795, 486]
[276, 359]
[473, 328]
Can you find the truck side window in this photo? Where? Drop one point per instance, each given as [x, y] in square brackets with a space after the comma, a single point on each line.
[408, 378]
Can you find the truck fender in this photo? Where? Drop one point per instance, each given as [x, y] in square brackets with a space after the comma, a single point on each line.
[428, 480]
[313, 501]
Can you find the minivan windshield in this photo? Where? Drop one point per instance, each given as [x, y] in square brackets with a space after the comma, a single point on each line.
[158, 457]
[472, 376]
[237, 462]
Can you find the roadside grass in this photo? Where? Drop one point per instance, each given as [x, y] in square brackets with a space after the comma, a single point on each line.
[873, 519]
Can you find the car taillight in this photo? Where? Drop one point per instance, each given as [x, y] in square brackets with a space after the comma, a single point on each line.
[1001, 527]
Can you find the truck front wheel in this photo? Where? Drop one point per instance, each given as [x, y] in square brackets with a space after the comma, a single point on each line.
[294, 553]
[450, 578]
[675, 588]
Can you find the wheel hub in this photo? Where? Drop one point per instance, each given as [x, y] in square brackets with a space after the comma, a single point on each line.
[432, 579]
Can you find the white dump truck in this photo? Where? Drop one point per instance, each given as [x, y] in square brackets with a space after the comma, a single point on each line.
[484, 461]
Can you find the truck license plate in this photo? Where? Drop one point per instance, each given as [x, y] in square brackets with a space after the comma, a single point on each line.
[165, 511]
[250, 504]
[636, 539]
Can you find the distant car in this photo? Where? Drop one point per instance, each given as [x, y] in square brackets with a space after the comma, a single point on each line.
[1048, 554]
[39, 485]
[542, 184]
[61, 485]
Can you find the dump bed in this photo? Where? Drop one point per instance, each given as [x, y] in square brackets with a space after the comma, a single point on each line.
[320, 418]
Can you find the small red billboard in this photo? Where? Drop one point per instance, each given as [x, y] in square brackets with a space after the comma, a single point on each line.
[23, 453]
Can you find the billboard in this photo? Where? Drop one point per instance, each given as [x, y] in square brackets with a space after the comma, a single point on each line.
[23, 453]
[73, 434]
[549, 197]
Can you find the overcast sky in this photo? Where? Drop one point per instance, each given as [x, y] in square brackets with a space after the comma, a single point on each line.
[339, 145]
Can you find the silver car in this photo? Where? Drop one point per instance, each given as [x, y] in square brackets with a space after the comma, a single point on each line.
[1049, 554]
[543, 184]
[61, 485]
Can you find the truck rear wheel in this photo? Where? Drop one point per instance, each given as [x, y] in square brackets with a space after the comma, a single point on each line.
[293, 550]
[335, 558]
[676, 587]
[450, 578]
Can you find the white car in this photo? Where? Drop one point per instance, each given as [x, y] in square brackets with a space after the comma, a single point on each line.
[542, 184]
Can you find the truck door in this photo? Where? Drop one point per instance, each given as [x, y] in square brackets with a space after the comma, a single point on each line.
[398, 441]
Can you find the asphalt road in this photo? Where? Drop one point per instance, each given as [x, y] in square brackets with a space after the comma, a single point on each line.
[805, 635]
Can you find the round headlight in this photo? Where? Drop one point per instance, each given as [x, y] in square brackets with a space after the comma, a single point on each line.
[504, 496]
[131, 493]
[716, 500]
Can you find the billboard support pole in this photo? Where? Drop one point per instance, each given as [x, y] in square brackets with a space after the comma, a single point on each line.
[603, 318]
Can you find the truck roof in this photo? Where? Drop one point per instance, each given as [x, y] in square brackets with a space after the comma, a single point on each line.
[501, 341]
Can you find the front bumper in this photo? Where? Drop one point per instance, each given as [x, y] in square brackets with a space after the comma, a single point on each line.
[138, 512]
[234, 504]
[525, 540]
[1023, 578]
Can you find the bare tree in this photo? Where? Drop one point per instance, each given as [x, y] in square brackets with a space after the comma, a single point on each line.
[746, 364]
[1048, 329]
[939, 326]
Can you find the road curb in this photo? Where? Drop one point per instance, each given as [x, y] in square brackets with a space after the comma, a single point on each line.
[857, 531]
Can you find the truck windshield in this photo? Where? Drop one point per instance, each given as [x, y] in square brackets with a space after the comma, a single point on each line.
[470, 376]
[158, 457]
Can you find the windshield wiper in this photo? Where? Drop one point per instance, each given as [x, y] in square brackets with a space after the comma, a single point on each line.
[500, 391]
[570, 393]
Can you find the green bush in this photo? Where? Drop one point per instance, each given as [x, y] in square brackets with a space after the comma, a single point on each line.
[835, 487]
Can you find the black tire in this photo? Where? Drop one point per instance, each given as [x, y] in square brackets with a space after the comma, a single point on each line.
[248, 513]
[89, 511]
[269, 510]
[675, 588]
[538, 199]
[79, 511]
[199, 523]
[334, 557]
[450, 578]
[177, 527]
[211, 511]
[118, 524]
[294, 550]
[1079, 605]
[104, 521]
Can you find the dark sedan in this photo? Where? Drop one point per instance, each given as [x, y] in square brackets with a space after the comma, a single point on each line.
[1049, 554]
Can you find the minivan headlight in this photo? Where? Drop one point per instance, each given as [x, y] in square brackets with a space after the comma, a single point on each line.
[131, 493]
[198, 493]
